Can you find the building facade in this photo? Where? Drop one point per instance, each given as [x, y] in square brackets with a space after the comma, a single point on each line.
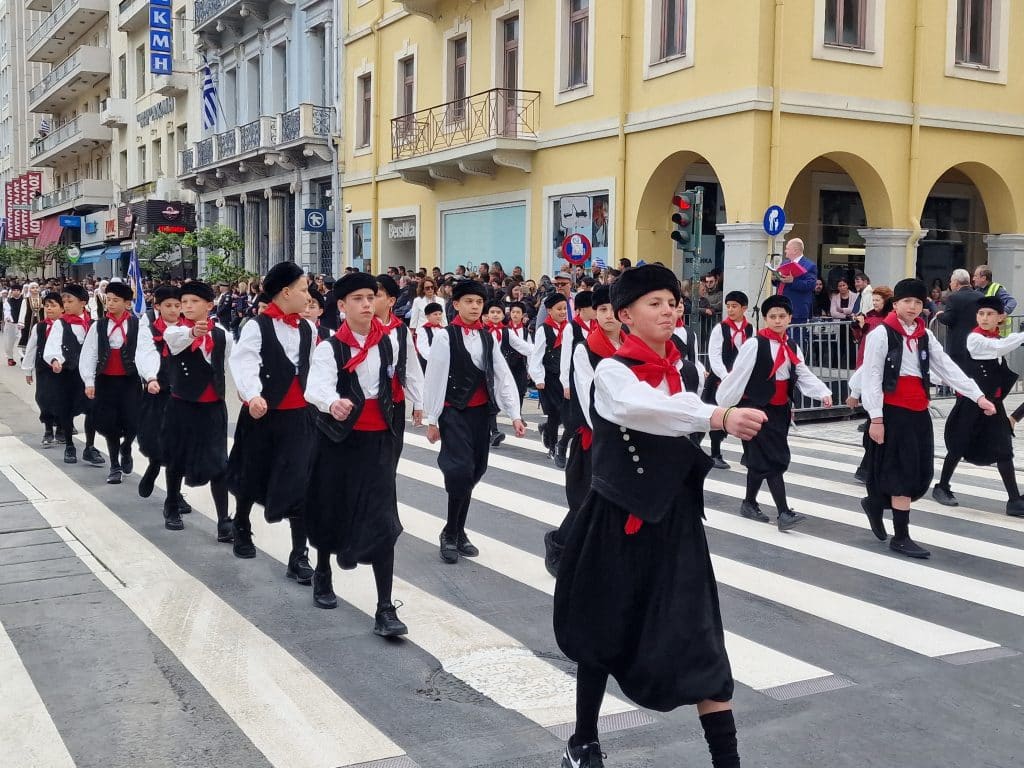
[889, 131]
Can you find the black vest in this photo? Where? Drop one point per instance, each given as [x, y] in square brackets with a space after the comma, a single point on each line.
[323, 332]
[40, 364]
[464, 378]
[70, 347]
[894, 359]
[686, 348]
[348, 387]
[163, 375]
[189, 374]
[15, 305]
[761, 385]
[647, 475]
[991, 376]
[552, 354]
[276, 370]
[403, 352]
[729, 350]
[127, 349]
[516, 361]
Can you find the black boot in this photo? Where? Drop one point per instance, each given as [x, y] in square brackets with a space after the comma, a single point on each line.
[323, 590]
[465, 546]
[299, 568]
[225, 529]
[497, 438]
[172, 519]
[93, 456]
[552, 553]
[183, 506]
[70, 454]
[114, 476]
[752, 511]
[148, 480]
[242, 534]
[560, 456]
[944, 496]
[449, 548]
[127, 462]
[387, 624]
[47, 438]
[873, 509]
[789, 519]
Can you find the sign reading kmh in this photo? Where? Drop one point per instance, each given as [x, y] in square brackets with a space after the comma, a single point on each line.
[160, 33]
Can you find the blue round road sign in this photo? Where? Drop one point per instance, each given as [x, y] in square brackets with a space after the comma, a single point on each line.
[774, 221]
[576, 248]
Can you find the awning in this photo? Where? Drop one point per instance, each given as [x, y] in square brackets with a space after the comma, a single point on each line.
[49, 232]
[89, 256]
[113, 253]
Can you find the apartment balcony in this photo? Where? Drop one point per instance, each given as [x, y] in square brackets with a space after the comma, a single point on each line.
[288, 140]
[64, 84]
[132, 15]
[58, 35]
[81, 135]
[115, 112]
[44, 6]
[84, 196]
[429, 8]
[474, 136]
[219, 15]
[174, 84]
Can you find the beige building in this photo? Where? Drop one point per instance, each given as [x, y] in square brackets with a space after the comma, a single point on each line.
[490, 131]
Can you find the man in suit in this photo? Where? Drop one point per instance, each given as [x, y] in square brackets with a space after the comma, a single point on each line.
[799, 290]
[959, 314]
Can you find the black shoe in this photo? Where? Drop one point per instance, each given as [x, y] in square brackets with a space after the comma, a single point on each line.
[862, 427]
[127, 462]
[243, 546]
[544, 435]
[874, 512]
[323, 591]
[47, 439]
[466, 546]
[70, 455]
[717, 462]
[184, 507]
[93, 456]
[449, 548]
[1015, 508]
[584, 756]
[387, 624]
[909, 548]
[944, 496]
[752, 511]
[172, 518]
[58, 436]
[225, 529]
[860, 477]
[114, 476]
[497, 438]
[148, 480]
[299, 568]
[552, 553]
[560, 456]
[789, 519]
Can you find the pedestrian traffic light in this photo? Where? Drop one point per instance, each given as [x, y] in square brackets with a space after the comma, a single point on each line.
[687, 220]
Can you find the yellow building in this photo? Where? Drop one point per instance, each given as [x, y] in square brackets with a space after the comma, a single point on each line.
[482, 130]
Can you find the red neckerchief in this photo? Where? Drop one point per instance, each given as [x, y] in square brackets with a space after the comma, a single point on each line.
[785, 351]
[599, 343]
[495, 329]
[653, 368]
[429, 324]
[515, 327]
[993, 334]
[373, 338]
[273, 311]
[118, 326]
[76, 320]
[158, 338]
[680, 322]
[893, 321]
[737, 331]
[392, 323]
[49, 327]
[205, 341]
[467, 327]
[559, 327]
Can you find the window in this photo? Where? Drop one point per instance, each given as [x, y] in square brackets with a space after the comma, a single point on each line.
[140, 71]
[122, 76]
[974, 32]
[579, 23]
[407, 86]
[673, 28]
[510, 57]
[279, 64]
[182, 42]
[586, 214]
[364, 110]
[141, 164]
[845, 23]
[158, 160]
[457, 82]
[123, 169]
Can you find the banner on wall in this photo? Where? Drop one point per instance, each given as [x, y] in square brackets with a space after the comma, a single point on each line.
[585, 215]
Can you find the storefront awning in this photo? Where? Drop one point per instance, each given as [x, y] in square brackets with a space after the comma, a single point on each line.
[89, 256]
[49, 232]
[113, 253]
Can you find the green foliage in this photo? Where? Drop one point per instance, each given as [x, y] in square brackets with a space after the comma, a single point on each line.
[223, 246]
[221, 269]
[23, 259]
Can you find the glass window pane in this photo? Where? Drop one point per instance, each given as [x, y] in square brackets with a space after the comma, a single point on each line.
[851, 22]
[491, 234]
[831, 27]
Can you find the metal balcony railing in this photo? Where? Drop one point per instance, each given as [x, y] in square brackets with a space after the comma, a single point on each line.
[188, 161]
[53, 77]
[56, 138]
[207, 9]
[493, 114]
[61, 196]
[59, 14]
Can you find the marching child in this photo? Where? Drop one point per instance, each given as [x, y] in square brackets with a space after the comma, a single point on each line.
[352, 506]
[314, 312]
[724, 344]
[970, 434]
[897, 371]
[424, 335]
[765, 376]
[518, 360]
[683, 337]
[269, 459]
[196, 419]
[34, 362]
[62, 353]
[467, 381]
[108, 370]
[545, 370]
[407, 372]
[636, 596]
[513, 348]
[152, 358]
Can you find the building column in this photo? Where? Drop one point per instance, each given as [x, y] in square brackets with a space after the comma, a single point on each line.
[747, 249]
[307, 244]
[1006, 260]
[275, 220]
[251, 235]
[884, 253]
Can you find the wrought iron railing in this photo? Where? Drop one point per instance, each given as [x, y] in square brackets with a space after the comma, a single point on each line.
[57, 197]
[188, 160]
[249, 136]
[226, 144]
[53, 77]
[291, 122]
[204, 152]
[497, 113]
[59, 136]
[207, 9]
[322, 118]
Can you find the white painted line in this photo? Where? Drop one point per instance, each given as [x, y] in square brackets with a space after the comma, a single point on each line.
[287, 712]
[28, 735]
[23, 486]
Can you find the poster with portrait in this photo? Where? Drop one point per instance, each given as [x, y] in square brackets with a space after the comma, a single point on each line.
[588, 215]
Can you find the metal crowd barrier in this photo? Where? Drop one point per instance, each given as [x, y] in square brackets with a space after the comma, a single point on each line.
[1015, 359]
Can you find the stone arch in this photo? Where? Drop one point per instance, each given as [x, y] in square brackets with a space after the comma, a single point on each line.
[874, 194]
[996, 195]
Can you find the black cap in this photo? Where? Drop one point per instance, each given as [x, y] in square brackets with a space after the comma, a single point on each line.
[199, 289]
[738, 296]
[992, 302]
[387, 284]
[76, 290]
[432, 307]
[316, 296]
[121, 290]
[468, 288]
[910, 288]
[583, 300]
[493, 305]
[517, 305]
[639, 281]
[773, 302]
[52, 296]
[352, 282]
[164, 292]
[280, 277]
[553, 299]
[602, 295]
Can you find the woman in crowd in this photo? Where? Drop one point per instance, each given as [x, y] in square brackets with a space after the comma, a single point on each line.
[881, 306]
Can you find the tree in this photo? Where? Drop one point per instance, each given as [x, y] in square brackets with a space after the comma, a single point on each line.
[57, 254]
[158, 253]
[223, 246]
[23, 259]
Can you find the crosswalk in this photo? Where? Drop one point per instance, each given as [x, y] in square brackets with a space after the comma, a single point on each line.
[810, 615]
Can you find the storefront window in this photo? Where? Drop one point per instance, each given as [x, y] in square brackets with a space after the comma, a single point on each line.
[362, 245]
[485, 234]
[587, 214]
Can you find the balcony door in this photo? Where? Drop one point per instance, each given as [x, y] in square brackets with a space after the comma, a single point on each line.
[509, 97]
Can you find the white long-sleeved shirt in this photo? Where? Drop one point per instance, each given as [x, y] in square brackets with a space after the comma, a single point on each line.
[147, 356]
[116, 335]
[28, 360]
[436, 383]
[179, 338]
[940, 366]
[322, 384]
[244, 360]
[621, 398]
[984, 348]
[418, 317]
[715, 350]
[9, 314]
[855, 383]
[53, 349]
[413, 369]
[565, 358]
[535, 362]
[731, 390]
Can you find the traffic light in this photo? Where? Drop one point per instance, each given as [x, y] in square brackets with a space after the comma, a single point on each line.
[687, 220]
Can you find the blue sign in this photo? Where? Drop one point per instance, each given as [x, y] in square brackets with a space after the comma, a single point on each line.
[161, 58]
[774, 221]
[314, 220]
[70, 222]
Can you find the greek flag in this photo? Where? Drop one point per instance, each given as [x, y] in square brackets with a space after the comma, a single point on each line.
[599, 263]
[44, 127]
[209, 98]
[3, 229]
[135, 281]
